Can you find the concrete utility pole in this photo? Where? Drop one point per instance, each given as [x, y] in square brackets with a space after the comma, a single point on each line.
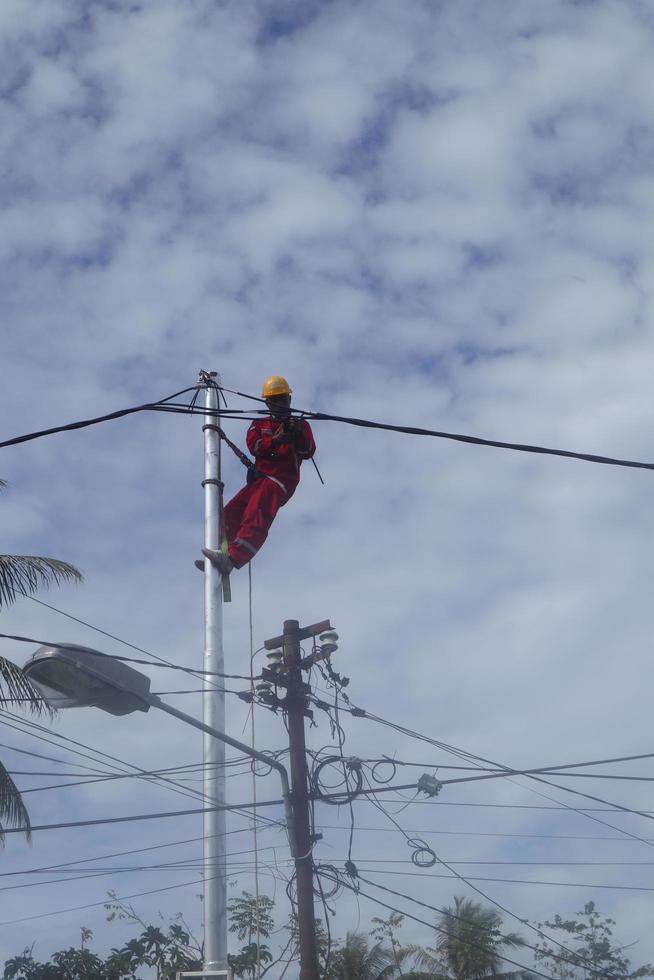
[213, 701]
[295, 704]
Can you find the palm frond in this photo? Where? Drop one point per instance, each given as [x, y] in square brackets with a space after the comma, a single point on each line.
[24, 574]
[12, 809]
[16, 688]
[427, 959]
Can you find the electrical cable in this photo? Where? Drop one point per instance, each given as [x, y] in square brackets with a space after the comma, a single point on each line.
[478, 833]
[160, 780]
[460, 753]
[468, 881]
[162, 661]
[527, 971]
[183, 865]
[102, 821]
[111, 777]
[121, 413]
[423, 856]
[118, 898]
[61, 866]
[451, 436]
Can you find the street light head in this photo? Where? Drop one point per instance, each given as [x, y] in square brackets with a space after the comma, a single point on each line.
[73, 676]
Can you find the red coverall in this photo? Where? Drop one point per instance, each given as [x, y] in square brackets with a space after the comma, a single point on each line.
[249, 515]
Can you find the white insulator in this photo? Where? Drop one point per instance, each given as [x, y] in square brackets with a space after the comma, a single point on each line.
[326, 649]
[331, 636]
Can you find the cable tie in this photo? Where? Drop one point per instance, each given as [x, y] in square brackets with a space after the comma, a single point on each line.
[213, 483]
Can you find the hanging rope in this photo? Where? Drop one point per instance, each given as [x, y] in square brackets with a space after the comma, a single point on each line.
[254, 777]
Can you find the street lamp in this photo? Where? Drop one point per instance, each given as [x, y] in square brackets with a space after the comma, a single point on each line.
[74, 676]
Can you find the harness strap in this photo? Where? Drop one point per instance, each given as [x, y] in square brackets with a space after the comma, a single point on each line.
[234, 448]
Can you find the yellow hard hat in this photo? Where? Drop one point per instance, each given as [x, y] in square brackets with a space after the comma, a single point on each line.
[275, 385]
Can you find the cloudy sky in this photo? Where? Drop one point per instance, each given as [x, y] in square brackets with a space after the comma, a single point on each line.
[427, 213]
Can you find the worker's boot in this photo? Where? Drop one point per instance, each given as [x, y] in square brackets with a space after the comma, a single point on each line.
[223, 563]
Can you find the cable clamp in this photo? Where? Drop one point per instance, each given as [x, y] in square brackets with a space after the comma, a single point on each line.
[213, 428]
[213, 483]
[351, 869]
[429, 785]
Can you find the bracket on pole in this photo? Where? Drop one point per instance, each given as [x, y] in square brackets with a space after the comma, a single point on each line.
[302, 634]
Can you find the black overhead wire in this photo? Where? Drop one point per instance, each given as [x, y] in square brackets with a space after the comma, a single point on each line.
[108, 901]
[463, 754]
[435, 433]
[112, 636]
[424, 856]
[477, 833]
[357, 891]
[61, 866]
[519, 881]
[161, 781]
[111, 777]
[135, 817]
[184, 864]
[121, 413]
[32, 728]
[577, 958]
[495, 772]
[162, 405]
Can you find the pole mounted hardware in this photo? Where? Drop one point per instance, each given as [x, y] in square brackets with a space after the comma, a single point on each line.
[429, 785]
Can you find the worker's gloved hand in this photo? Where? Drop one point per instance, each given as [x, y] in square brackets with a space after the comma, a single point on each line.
[281, 437]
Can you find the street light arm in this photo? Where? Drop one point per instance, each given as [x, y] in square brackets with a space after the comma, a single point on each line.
[156, 702]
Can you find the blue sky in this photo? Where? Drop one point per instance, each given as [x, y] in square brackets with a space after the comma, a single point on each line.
[436, 214]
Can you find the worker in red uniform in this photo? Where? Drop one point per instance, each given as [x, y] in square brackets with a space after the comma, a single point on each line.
[278, 443]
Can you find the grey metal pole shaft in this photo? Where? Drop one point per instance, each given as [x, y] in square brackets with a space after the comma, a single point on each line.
[213, 711]
[156, 702]
[299, 781]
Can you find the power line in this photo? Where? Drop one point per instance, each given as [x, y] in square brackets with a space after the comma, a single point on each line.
[161, 780]
[423, 848]
[162, 661]
[461, 753]
[121, 413]
[517, 881]
[161, 405]
[142, 816]
[105, 902]
[357, 891]
[182, 865]
[578, 958]
[476, 440]
[277, 824]
[474, 833]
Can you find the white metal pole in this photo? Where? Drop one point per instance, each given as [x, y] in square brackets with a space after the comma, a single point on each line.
[215, 880]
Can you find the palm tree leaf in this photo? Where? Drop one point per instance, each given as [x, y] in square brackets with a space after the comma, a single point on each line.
[16, 688]
[24, 574]
[12, 809]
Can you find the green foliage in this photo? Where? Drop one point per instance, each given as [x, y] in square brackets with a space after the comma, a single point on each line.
[249, 915]
[356, 959]
[250, 918]
[591, 948]
[23, 575]
[469, 943]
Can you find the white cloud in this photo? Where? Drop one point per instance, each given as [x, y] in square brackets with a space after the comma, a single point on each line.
[431, 215]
